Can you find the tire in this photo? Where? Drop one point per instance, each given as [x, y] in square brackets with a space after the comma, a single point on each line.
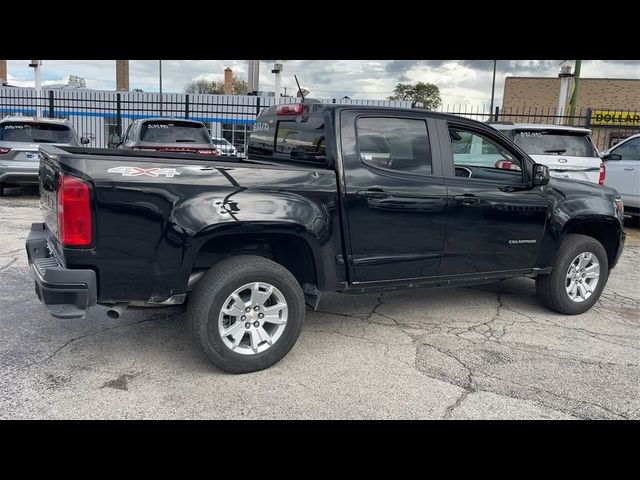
[552, 288]
[1, 189]
[213, 292]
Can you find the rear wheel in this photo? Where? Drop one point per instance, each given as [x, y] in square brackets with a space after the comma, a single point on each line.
[579, 275]
[246, 313]
[1, 189]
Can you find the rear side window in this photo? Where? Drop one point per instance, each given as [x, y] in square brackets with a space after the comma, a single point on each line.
[173, 132]
[301, 141]
[549, 142]
[400, 144]
[34, 132]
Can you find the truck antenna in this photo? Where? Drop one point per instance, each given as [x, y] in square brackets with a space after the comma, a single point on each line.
[299, 89]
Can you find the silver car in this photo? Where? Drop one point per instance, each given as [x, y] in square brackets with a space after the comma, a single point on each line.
[20, 138]
[623, 172]
[224, 146]
[567, 151]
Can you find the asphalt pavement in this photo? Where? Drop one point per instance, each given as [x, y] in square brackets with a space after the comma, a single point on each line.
[486, 352]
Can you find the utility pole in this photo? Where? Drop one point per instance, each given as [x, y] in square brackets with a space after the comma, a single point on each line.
[574, 95]
[122, 75]
[3, 72]
[493, 88]
[160, 72]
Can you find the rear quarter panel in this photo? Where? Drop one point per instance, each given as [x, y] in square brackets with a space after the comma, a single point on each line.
[149, 226]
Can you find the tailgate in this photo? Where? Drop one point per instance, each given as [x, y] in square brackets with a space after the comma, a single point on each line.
[575, 168]
[48, 177]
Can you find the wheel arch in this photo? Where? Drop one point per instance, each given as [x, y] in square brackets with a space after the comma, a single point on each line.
[288, 245]
[605, 230]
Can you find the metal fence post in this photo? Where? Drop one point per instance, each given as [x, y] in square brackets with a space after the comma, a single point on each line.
[118, 115]
[51, 104]
[587, 120]
[186, 106]
[257, 106]
[497, 113]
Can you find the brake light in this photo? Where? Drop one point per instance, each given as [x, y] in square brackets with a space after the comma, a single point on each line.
[208, 152]
[289, 109]
[74, 212]
[603, 173]
[4, 150]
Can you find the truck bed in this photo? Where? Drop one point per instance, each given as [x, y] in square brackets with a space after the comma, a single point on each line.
[155, 214]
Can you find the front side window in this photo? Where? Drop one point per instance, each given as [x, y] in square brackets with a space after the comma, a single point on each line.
[472, 149]
[550, 142]
[399, 144]
[173, 132]
[34, 132]
[629, 150]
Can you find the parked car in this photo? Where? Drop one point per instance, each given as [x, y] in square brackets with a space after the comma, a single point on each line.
[167, 135]
[623, 172]
[567, 151]
[358, 199]
[20, 138]
[224, 146]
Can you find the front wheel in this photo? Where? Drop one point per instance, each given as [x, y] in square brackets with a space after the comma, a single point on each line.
[246, 313]
[579, 275]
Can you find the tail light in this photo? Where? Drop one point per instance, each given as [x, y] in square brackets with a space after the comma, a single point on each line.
[289, 109]
[4, 150]
[603, 173]
[74, 212]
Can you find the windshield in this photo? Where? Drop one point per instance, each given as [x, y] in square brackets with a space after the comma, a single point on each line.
[173, 132]
[34, 132]
[549, 142]
[220, 142]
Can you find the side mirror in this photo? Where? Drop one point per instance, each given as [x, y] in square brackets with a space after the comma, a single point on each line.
[540, 174]
[84, 140]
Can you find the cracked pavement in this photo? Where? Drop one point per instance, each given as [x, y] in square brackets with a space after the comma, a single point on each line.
[483, 352]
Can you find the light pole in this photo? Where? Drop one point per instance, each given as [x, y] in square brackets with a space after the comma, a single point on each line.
[37, 81]
[493, 89]
[574, 95]
[277, 69]
[160, 73]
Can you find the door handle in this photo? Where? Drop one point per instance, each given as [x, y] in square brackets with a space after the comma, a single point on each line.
[630, 169]
[466, 198]
[372, 194]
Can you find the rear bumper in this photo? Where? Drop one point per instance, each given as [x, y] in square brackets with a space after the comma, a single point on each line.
[67, 293]
[18, 173]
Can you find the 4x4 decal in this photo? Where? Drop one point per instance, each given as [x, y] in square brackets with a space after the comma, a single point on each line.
[151, 172]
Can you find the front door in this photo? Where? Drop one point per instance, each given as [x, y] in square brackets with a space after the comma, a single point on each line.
[495, 221]
[395, 196]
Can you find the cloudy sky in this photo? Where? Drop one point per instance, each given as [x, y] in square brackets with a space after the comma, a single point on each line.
[460, 81]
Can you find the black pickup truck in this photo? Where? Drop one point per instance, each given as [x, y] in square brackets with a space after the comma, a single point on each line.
[330, 198]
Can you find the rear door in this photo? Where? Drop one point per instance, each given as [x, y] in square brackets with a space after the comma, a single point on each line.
[623, 171]
[395, 195]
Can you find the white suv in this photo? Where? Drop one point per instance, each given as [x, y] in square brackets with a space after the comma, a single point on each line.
[567, 151]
